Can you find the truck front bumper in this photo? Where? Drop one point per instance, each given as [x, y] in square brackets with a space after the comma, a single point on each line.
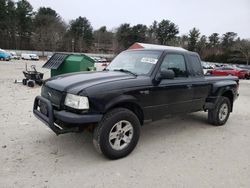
[44, 111]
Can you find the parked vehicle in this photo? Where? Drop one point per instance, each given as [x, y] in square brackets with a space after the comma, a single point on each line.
[245, 68]
[138, 85]
[100, 63]
[4, 55]
[13, 55]
[100, 66]
[229, 71]
[207, 67]
[219, 65]
[49, 56]
[29, 56]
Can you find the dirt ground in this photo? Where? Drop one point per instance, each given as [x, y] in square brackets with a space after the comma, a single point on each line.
[178, 152]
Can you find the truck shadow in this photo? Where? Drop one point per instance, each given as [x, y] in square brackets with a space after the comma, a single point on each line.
[177, 125]
[79, 146]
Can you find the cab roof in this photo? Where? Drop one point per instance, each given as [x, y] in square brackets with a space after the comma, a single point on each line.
[176, 50]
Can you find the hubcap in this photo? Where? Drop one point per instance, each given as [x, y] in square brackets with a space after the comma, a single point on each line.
[223, 112]
[121, 135]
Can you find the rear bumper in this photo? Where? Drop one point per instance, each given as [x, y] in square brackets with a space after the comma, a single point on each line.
[44, 111]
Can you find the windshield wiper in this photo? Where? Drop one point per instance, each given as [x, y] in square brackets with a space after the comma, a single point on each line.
[126, 71]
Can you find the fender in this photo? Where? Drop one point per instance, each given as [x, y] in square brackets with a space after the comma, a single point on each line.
[218, 90]
[121, 99]
[223, 86]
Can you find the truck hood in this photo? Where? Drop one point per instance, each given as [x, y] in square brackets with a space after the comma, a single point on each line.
[76, 82]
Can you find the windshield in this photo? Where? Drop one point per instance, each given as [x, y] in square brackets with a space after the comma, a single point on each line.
[138, 62]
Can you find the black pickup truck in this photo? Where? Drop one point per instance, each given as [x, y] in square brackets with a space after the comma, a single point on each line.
[137, 86]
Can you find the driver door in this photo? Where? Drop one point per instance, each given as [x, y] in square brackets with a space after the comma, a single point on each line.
[173, 95]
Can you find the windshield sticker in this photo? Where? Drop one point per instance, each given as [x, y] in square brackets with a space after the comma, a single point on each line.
[149, 60]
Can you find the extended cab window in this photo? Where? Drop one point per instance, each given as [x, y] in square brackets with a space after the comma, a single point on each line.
[196, 65]
[175, 62]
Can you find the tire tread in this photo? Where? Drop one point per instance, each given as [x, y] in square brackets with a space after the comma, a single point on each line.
[101, 125]
[213, 114]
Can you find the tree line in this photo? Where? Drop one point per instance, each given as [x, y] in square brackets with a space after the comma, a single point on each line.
[23, 28]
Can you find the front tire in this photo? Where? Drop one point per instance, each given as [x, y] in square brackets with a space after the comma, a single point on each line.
[220, 114]
[117, 134]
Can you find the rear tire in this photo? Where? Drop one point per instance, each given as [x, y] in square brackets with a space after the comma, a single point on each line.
[117, 134]
[220, 114]
[31, 83]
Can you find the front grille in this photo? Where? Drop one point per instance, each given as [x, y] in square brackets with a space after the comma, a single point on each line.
[52, 95]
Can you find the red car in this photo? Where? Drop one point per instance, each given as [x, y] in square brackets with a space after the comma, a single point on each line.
[229, 71]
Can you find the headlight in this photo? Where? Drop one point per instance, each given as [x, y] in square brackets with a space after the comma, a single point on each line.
[77, 102]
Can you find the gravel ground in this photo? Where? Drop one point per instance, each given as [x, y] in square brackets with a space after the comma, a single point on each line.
[178, 152]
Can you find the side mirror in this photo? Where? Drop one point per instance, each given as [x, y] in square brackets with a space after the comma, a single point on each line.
[165, 74]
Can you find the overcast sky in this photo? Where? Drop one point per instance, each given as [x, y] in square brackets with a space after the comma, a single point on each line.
[209, 16]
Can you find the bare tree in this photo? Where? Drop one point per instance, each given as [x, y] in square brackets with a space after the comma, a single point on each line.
[49, 29]
[103, 40]
[243, 47]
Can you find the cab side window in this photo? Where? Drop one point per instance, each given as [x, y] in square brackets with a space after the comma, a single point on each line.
[196, 65]
[175, 62]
